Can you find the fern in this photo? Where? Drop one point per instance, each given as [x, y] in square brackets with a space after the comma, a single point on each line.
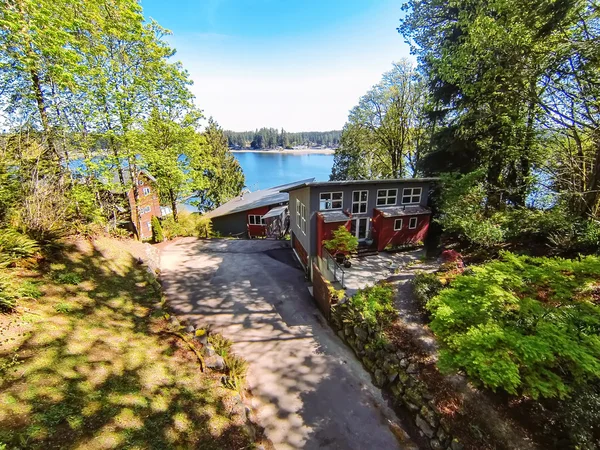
[15, 246]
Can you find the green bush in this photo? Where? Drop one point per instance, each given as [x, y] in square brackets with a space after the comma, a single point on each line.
[375, 304]
[526, 325]
[157, 231]
[425, 286]
[221, 344]
[188, 224]
[67, 278]
[342, 241]
[15, 246]
[12, 289]
[204, 227]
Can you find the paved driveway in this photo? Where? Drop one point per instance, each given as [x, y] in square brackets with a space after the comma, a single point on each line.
[309, 390]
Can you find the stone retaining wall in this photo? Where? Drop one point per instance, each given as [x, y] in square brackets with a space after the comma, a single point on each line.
[393, 371]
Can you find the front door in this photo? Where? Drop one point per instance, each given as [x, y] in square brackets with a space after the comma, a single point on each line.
[360, 228]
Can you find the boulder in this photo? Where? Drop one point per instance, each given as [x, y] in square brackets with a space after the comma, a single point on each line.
[190, 329]
[404, 363]
[369, 364]
[379, 378]
[436, 445]
[412, 368]
[348, 330]
[208, 350]
[361, 333]
[455, 445]
[424, 427]
[215, 362]
[341, 335]
[430, 416]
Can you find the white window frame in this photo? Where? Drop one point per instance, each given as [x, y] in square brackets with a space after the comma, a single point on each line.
[303, 218]
[387, 197]
[146, 190]
[150, 226]
[410, 223]
[145, 210]
[396, 228]
[412, 196]
[360, 202]
[257, 219]
[331, 201]
[298, 213]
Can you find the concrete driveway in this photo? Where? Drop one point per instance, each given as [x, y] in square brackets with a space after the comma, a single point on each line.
[309, 390]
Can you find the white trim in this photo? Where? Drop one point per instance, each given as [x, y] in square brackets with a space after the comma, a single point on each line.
[357, 227]
[303, 218]
[298, 214]
[412, 195]
[387, 197]
[331, 200]
[401, 224]
[257, 218]
[360, 202]
[410, 223]
[146, 190]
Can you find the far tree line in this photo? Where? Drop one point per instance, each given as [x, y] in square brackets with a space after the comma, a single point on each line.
[270, 138]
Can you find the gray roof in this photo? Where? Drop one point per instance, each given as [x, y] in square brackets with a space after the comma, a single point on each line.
[277, 211]
[334, 216]
[358, 182]
[265, 197]
[399, 211]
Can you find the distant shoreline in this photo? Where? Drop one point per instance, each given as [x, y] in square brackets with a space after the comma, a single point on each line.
[305, 151]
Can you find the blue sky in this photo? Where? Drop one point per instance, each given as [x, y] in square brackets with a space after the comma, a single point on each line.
[300, 65]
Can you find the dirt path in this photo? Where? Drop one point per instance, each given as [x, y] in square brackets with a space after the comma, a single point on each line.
[309, 389]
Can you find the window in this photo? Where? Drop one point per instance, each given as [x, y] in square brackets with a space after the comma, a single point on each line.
[255, 219]
[140, 182]
[145, 209]
[303, 218]
[397, 224]
[359, 202]
[331, 200]
[149, 226]
[412, 223]
[411, 195]
[298, 213]
[386, 197]
[146, 191]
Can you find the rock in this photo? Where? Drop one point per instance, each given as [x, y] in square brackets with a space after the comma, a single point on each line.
[369, 364]
[436, 445]
[424, 427]
[175, 322]
[403, 377]
[400, 354]
[348, 330]
[410, 406]
[341, 335]
[190, 329]
[360, 345]
[201, 336]
[215, 362]
[380, 378]
[413, 396]
[430, 416]
[442, 436]
[208, 350]
[361, 333]
[455, 445]
[400, 386]
[395, 391]
[404, 363]
[412, 368]
[392, 377]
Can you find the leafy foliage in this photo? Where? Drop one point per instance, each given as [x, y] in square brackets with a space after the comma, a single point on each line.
[425, 286]
[67, 278]
[526, 325]
[342, 241]
[15, 246]
[157, 232]
[375, 304]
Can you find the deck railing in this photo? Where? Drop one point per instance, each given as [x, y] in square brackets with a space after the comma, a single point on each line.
[334, 267]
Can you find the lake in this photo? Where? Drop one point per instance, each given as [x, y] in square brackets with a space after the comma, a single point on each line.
[264, 170]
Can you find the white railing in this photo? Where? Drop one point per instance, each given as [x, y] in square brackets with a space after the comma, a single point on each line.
[334, 267]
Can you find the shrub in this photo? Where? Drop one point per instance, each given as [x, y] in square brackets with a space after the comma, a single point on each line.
[204, 227]
[15, 246]
[425, 286]
[221, 344]
[375, 304]
[526, 325]
[157, 231]
[342, 241]
[12, 289]
[188, 224]
[237, 368]
[67, 278]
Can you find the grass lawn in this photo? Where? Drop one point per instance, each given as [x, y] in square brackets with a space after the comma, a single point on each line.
[86, 365]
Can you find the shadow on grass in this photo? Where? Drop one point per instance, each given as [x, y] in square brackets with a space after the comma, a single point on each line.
[95, 372]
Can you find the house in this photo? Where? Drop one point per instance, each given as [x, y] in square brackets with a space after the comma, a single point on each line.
[261, 213]
[148, 203]
[380, 213]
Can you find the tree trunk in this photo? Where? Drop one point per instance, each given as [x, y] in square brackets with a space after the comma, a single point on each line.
[173, 199]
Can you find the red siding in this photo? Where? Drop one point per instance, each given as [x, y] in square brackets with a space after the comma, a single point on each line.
[325, 230]
[150, 200]
[384, 234]
[300, 250]
[257, 230]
